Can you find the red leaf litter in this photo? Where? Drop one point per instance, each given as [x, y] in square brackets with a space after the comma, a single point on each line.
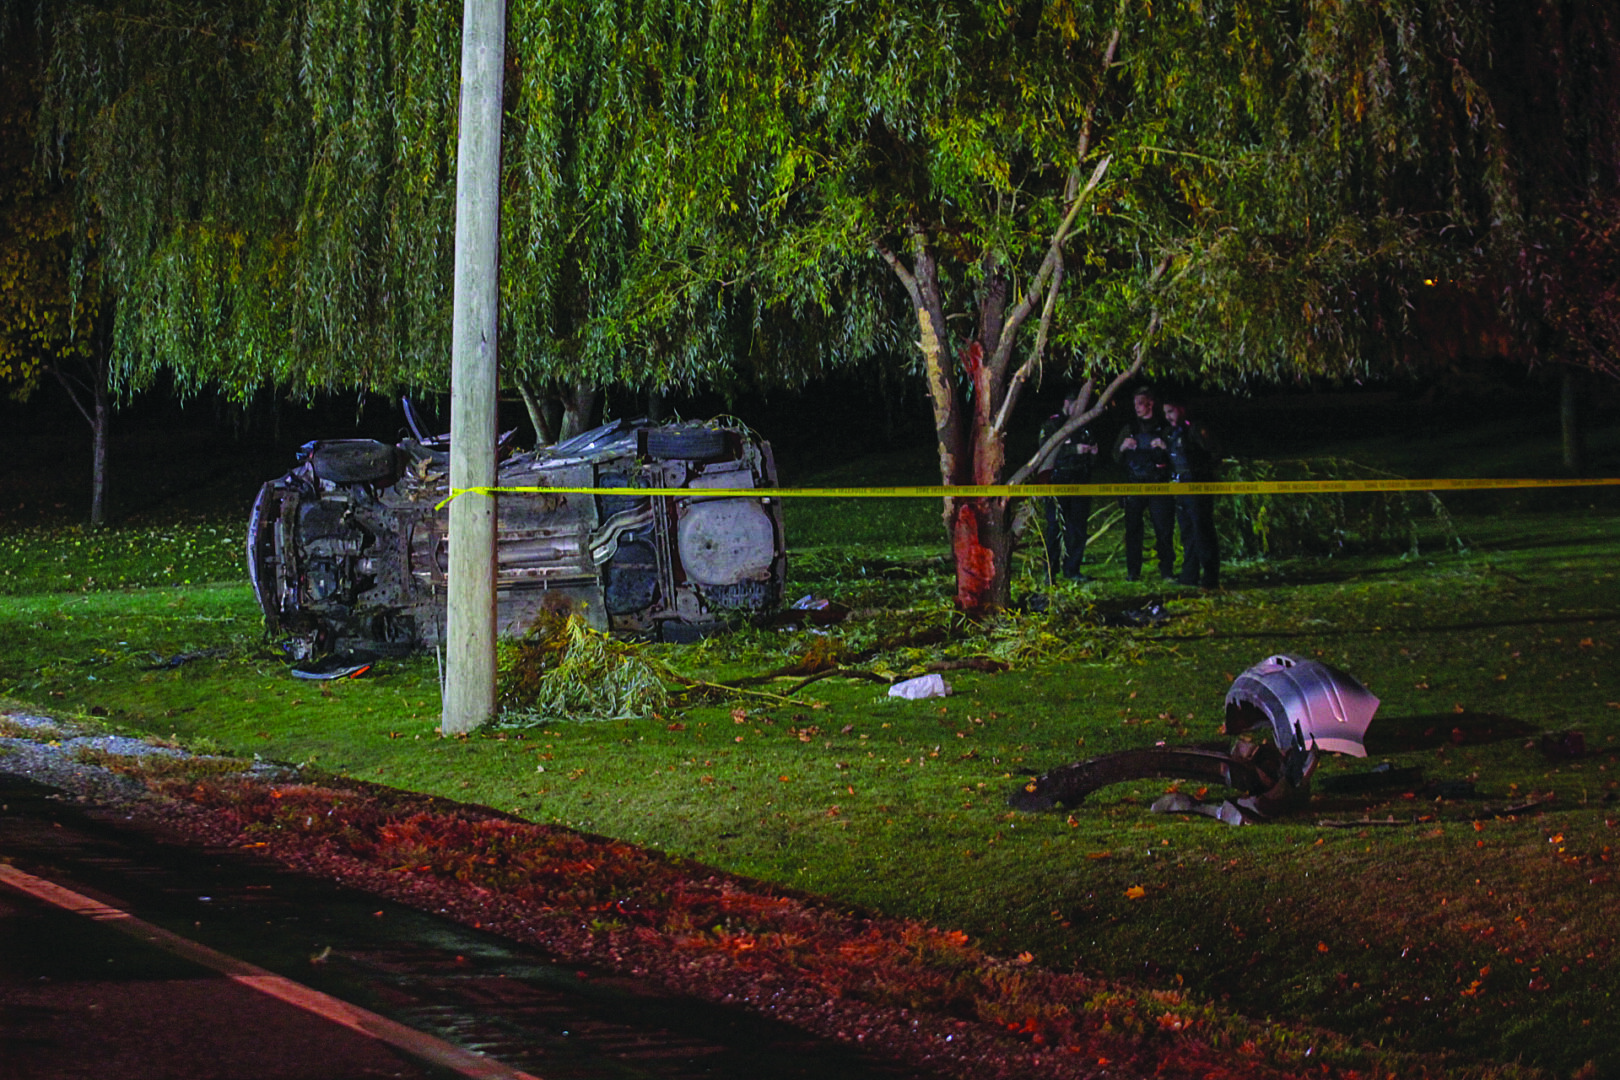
[925, 996]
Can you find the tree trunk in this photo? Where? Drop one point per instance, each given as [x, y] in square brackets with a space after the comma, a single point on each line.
[98, 441]
[971, 452]
[982, 535]
[545, 426]
[86, 388]
[582, 410]
[981, 541]
[972, 449]
[1569, 419]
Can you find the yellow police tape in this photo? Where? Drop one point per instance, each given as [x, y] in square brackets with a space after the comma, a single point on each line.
[993, 491]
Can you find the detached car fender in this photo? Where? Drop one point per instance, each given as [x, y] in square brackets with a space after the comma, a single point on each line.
[1307, 703]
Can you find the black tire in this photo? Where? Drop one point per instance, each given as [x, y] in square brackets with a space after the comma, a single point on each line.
[687, 444]
[355, 461]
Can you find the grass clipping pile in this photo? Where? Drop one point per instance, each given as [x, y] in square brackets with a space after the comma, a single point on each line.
[564, 670]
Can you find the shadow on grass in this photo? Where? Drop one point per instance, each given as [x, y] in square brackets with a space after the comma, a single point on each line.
[1429, 731]
[1294, 573]
[1318, 633]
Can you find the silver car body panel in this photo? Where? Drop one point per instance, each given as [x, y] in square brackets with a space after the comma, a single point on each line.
[1308, 704]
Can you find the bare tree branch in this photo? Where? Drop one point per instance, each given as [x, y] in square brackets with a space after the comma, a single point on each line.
[1050, 275]
[1031, 365]
[907, 278]
[1043, 282]
[543, 433]
[73, 392]
[1051, 444]
[1083, 145]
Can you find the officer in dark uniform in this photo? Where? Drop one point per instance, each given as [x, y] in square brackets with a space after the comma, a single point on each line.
[1193, 454]
[1067, 515]
[1144, 452]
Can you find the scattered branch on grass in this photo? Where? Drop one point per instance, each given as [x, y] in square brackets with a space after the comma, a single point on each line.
[697, 689]
[564, 670]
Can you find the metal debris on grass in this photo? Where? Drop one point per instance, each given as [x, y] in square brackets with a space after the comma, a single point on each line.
[1309, 707]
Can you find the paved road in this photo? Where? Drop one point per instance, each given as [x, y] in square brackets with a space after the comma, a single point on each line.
[85, 994]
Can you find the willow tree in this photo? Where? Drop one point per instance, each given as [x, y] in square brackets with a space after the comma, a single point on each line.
[1558, 79]
[273, 185]
[1246, 188]
[53, 323]
[1229, 189]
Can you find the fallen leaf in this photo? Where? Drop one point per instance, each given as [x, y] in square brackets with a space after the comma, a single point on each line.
[1135, 892]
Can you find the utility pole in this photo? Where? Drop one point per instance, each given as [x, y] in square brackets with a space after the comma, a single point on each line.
[469, 690]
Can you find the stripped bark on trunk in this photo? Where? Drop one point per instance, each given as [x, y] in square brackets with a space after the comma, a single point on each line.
[975, 387]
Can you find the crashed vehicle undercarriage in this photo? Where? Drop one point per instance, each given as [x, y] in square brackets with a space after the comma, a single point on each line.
[1309, 707]
[348, 553]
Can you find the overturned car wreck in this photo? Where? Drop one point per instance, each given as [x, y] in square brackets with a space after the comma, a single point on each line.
[348, 551]
[1305, 706]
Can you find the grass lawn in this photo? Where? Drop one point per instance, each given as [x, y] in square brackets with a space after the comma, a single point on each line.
[1459, 924]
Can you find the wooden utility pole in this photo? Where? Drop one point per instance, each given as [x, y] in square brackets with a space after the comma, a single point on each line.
[469, 689]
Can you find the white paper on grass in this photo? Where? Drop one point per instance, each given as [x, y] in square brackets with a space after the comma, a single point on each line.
[924, 686]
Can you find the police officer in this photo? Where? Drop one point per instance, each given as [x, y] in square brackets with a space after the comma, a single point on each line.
[1067, 515]
[1144, 452]
[1193, 454]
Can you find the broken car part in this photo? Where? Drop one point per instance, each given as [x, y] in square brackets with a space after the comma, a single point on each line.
[1308, 707]
[348, 551]
[1306, 702]
[1273, 783]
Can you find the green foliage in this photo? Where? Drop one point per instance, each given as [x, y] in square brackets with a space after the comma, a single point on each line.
[47, 316]
[695, 189]
[1326, 523]
[562, 670]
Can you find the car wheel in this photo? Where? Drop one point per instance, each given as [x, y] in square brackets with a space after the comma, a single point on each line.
[355, 461]
[686, 443]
